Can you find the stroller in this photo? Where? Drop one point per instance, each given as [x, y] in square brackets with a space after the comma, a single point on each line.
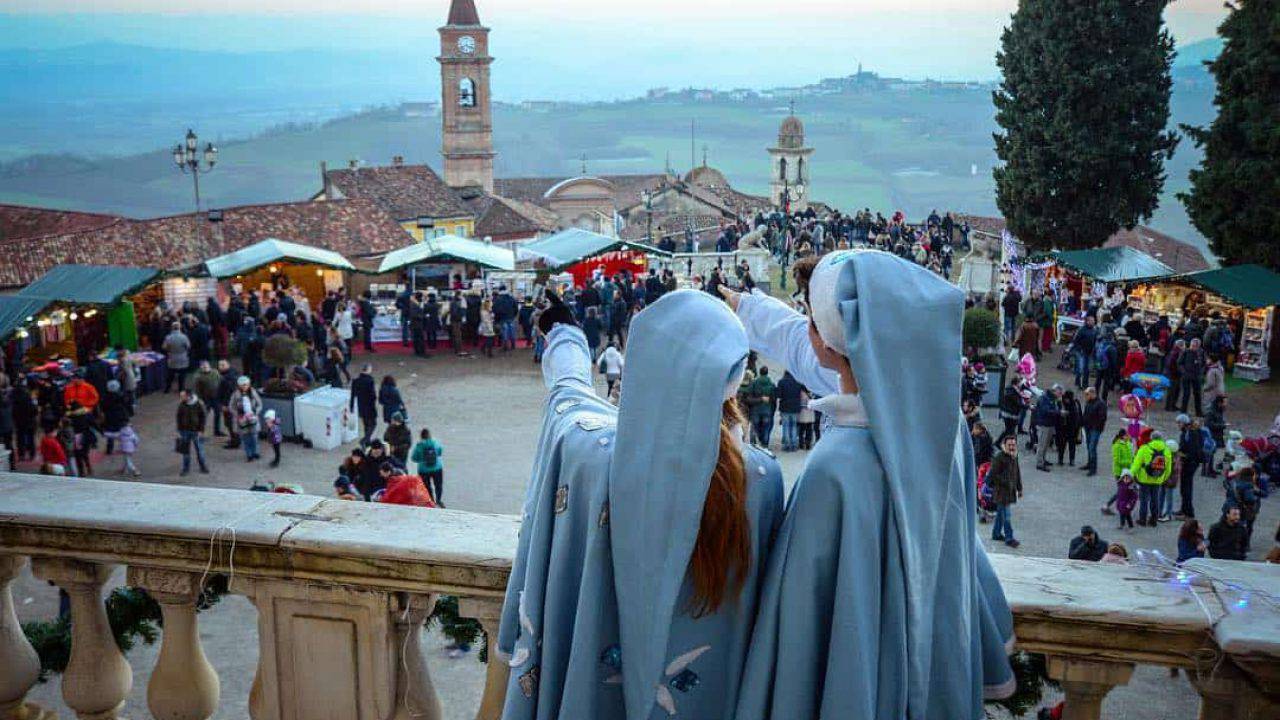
[986, 497]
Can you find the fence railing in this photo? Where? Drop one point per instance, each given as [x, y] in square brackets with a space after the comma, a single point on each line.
[342, 590]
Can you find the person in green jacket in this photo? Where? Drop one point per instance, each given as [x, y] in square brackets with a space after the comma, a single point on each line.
[1152, 465]
[429, 454]
[1121, 460]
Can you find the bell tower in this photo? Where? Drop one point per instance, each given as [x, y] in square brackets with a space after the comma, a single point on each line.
[467, 137]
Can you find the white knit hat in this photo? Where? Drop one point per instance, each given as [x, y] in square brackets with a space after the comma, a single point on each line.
[823, 304]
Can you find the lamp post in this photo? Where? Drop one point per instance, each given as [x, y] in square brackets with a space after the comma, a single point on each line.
[647, 196]
[187, 156]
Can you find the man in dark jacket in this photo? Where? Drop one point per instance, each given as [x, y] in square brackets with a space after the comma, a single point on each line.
[364, 400]
[504, 318]
[1191, 366]
[1082, 348]
[1191, 447]
[1044, 423]
[367, 314]
[1228, 537]
[1004, 477]
[789, 406]
[1087, 546]
[191, 417]
[1094, 421]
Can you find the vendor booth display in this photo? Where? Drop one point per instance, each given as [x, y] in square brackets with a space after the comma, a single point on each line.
[81, 310]
[582, 253]
[1245, 296]
[273, 264]
[1072, 276]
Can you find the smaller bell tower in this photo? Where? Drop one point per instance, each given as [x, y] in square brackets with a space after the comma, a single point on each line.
[465, 103]
[789, 161]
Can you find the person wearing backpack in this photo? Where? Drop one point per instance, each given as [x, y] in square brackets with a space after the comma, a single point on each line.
[1152, 465]
[427, 454]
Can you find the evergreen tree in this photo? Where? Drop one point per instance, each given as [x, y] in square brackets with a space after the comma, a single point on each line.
[1084, 106]
[1235, 194]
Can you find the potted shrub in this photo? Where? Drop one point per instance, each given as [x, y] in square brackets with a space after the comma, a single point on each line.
[282, 353]
[982, 339]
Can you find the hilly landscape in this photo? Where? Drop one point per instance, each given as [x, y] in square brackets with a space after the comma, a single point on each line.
[95, 137]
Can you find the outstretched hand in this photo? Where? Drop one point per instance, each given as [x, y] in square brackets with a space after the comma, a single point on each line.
[556, 313]
[731, 296]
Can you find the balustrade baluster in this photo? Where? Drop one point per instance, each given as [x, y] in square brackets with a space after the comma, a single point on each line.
[183, 685]
[17, 657]
[98, 678]
[488, 611]
[1085, 683]
[416, 696]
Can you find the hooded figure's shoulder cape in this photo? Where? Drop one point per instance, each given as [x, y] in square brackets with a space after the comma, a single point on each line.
[596, 621]
[879, 600]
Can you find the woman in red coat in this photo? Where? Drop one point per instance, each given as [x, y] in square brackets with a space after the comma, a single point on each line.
[1134, 362]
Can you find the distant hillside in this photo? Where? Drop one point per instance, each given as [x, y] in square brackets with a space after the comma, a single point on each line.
[1196, 53]
[913, 147]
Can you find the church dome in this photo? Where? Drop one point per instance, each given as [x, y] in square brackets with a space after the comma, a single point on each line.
[706, 176]
[791, 133]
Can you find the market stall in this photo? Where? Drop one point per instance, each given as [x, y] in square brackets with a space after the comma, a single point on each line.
[87, 309]
[452, 254]
[1245, 296]
[274, 264]
[582, 253]
[1072, 277]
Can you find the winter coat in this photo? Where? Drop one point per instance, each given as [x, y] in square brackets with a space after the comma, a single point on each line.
[1226, 541]
[389, 398]
[1081, 550]
[1134, 362]
[1191, 363]
[1215, 383]
[789, 390]
[191, 417]
[419, 456]
[1126, 497]
[1143, 458]
[115, 411]
[128, 440]
[7, 396]
[177, 348]
[1121, 456]
[1048, 411]
[364, 396]
[206, 385]
[1095, 415]
[1004, 477]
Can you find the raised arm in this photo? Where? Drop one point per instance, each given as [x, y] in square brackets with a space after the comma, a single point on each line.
[567, 359]
[779, 332]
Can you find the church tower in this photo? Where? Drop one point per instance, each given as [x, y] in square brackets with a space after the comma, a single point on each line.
[467, 137]
[789, 184]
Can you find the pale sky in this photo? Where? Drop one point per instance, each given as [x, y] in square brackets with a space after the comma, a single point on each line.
[629, 45]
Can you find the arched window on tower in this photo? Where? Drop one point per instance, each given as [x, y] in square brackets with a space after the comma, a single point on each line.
[800, 170]
[782, 169]
[466, 92]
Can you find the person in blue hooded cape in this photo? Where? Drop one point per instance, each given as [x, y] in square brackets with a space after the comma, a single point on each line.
[879, 601]
[645, 530]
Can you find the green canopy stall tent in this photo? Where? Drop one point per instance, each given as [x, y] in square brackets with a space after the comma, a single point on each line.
[1245, 296]
[85, 309]
[1088, 273]
[581, 252]
[272, 264]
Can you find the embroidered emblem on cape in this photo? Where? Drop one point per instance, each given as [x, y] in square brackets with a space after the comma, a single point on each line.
[679, 678]
[762, 471]
[565, 405]
[593, 422]
[562, 499]
[604, 515]
[611, 659]
[529, 682]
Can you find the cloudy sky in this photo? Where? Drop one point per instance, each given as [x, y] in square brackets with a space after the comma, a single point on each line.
[628, 45]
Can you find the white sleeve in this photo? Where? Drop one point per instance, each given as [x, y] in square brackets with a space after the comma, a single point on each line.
[779, 332]
[567, 359]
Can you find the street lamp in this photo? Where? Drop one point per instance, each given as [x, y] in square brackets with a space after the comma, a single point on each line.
[187, 157]
[647, 196]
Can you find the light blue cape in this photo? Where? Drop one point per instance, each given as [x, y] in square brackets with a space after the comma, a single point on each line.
[682, 353]
[879, 601]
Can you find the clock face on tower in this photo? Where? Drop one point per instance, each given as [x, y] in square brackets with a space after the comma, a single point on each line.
[466, 45]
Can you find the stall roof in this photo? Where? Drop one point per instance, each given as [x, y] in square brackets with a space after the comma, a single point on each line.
[1252, 286]
[270, 251]
[89, 284]
[450, 248]
[15, 309]
[571, 246]
[1112, 264]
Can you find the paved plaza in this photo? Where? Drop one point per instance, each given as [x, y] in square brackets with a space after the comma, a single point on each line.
[486, 413]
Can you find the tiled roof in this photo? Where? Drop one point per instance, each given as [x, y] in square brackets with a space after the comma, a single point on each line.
[21, 221]
[504, 218]
[354, 228]
[1180, 255]
[534, 190]
[405, 192]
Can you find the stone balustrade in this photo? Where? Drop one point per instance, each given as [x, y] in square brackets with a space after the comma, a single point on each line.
[342, 590]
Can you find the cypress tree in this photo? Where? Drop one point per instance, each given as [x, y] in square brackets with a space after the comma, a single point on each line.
[1084, 106]
[1234, 199]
